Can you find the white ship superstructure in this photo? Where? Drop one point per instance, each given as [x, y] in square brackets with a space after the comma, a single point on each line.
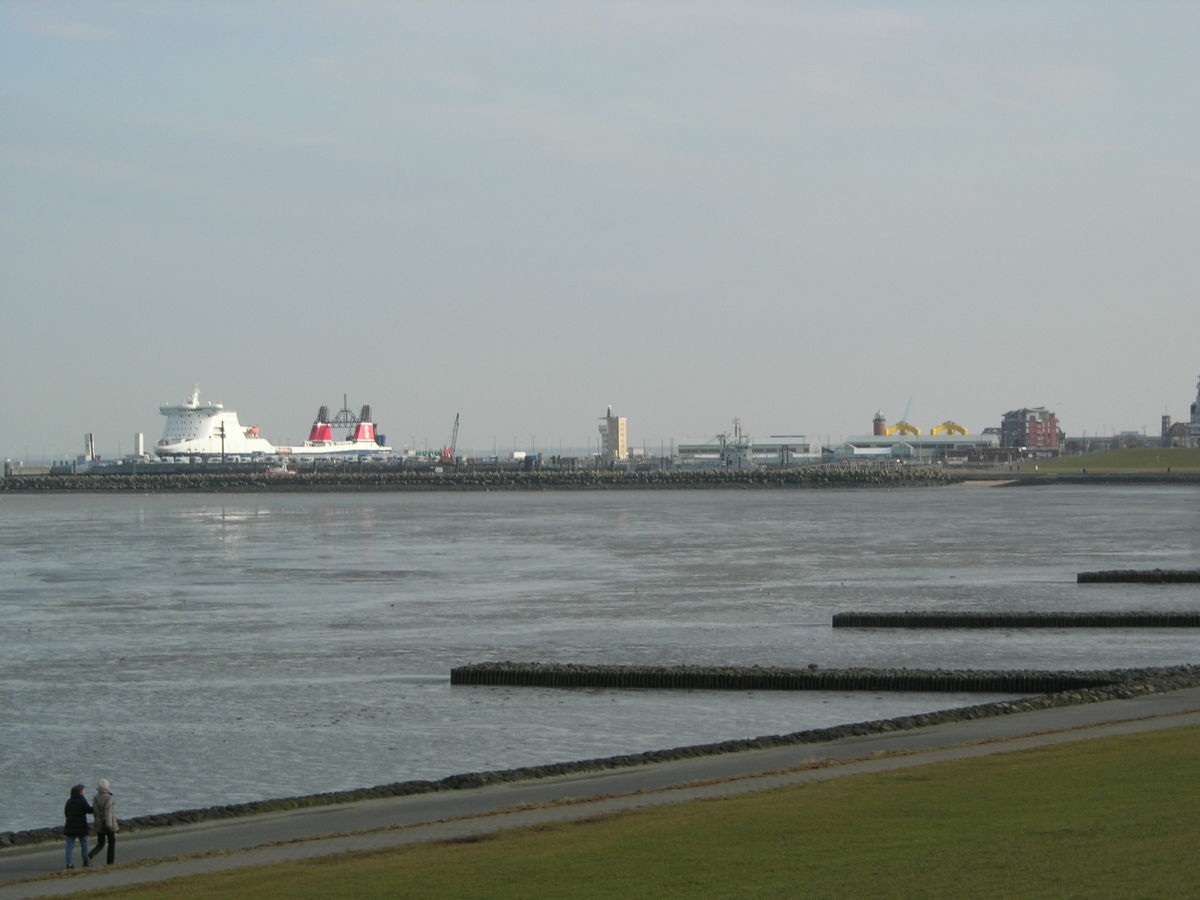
[195, 429]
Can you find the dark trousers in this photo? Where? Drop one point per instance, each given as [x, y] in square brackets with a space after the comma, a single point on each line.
[105, 836]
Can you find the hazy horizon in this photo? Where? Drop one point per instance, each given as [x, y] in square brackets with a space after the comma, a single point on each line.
[524, 212]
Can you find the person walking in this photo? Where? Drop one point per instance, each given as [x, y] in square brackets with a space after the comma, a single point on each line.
[105, 810]
[76, 811]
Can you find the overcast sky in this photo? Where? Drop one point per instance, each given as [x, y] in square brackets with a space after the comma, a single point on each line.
[791, 213]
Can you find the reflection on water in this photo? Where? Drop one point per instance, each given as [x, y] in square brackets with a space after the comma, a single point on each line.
[201, 649]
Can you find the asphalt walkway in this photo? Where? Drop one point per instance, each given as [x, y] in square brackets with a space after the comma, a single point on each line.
[186, 850]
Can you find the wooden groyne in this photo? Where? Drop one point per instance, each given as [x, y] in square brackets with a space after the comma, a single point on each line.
[755, 678]
[1017, 620]
[1140, 576]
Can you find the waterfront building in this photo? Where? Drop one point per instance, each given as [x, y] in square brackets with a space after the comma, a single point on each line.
[948, 442]
[943, 447]
[613, 439]
[1033, 430]
[740, 452]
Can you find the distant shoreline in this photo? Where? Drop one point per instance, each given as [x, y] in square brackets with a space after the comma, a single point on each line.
[812, 478]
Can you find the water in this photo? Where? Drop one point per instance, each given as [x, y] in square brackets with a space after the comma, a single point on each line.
[208, 649]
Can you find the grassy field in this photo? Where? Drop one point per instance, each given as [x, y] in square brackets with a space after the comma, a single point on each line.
[1177, 459]
[1106, 818]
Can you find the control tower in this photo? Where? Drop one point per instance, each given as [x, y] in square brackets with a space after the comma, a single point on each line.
[612, 437]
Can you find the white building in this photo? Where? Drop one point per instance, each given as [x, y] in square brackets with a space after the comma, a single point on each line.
[738, 451]
[922, 447]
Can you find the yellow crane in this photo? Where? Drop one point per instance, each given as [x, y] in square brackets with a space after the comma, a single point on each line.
[948, 427]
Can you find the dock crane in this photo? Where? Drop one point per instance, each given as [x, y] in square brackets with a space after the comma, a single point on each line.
[948, 427]
[903, 427]
[447, 454]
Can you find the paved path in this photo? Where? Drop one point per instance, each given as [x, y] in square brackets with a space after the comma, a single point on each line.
[394, 821]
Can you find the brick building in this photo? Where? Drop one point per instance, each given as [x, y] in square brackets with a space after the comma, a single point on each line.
[1034, 431]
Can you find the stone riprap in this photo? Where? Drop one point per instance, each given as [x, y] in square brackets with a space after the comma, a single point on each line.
[1140, 576]
[1119, 684]
[583, 479]
[1017, 620]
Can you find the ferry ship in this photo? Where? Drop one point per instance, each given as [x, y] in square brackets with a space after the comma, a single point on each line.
[208, 430]
[195, 429]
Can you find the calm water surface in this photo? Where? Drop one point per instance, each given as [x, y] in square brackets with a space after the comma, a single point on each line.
[208, 649]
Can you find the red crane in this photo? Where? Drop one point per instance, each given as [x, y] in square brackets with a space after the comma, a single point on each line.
[447, 454]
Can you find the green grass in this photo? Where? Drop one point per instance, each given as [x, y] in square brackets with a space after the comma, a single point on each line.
[1106, 818]
[1177, 459]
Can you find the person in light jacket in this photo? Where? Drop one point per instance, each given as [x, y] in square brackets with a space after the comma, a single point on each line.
[105, 810]
[76, 828]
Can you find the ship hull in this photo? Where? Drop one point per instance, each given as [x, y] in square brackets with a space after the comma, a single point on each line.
[309, 450]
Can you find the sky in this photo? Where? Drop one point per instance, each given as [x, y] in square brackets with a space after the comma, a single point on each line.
[793, 214]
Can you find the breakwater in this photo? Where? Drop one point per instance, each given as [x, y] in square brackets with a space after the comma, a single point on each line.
[755, 678]
[576, 479]
[1140, 576]
[1017, 620]
[1116, 684]
[1043, 479]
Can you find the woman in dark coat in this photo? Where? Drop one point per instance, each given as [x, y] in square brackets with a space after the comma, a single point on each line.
[76, 828]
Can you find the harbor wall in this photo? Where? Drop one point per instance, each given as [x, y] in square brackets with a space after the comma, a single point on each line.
[814, 477]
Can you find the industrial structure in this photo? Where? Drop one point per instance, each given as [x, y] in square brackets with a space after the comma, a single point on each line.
[447, 454]
[946, 442]
[1175, 434]
[739, 452]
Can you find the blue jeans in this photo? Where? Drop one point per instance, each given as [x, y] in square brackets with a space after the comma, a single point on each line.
[83, 848]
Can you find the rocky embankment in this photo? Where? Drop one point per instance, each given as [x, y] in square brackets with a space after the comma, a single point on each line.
[1117, 684]
[575, 479]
